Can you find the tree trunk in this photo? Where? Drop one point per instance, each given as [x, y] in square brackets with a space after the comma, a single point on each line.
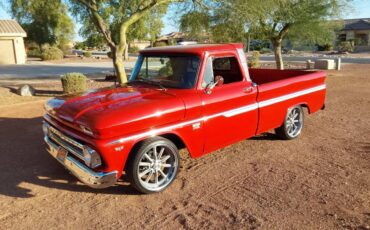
[126, 57]
[118, 65]
[277, 43]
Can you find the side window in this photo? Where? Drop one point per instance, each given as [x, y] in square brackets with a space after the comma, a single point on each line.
[208, 73]
[228, 68]
[222, 64]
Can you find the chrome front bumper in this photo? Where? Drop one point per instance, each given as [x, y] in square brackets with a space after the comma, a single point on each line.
[81, 171]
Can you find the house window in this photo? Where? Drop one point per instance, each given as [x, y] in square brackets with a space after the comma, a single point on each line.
[342, 37]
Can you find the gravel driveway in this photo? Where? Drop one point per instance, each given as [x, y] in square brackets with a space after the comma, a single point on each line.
[318, 181]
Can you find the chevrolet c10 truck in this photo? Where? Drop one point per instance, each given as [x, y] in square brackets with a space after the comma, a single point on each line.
[198, 97]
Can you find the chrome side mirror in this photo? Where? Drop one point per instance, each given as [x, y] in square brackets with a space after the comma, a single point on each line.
[210, 87]
[219, 80]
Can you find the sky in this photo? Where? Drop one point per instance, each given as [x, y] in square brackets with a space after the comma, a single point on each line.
[361, 9]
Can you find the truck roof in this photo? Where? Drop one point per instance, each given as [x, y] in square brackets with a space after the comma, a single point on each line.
[198, 49]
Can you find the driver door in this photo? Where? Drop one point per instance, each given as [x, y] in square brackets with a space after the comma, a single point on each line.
[230, 109]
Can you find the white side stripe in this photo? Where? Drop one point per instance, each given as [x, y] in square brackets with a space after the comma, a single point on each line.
[290, 96]
[240, 110]
[229, 113]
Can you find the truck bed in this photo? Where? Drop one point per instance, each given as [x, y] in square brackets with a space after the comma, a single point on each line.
[280, 89]
[264, 76]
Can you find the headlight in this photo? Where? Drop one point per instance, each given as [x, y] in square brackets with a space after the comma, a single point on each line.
[91, 157]
[86, 130]
[45, 128]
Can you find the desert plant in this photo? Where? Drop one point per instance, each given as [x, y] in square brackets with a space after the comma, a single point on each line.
[166, 70]
[66, 48]
[171, 42]
[34, 52]
[265, 50]
[79, 45]
[52, 53]
[74, 83]
[325, 47]
[133, 49]
[254, 61]
[160, 44]
[87, 54]
[346, 46]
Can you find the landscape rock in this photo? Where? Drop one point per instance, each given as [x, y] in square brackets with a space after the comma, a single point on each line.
[26, 90]
[325, 64]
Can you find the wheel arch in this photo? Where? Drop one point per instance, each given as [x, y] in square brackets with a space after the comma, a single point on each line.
[173, 137]
[305, 106]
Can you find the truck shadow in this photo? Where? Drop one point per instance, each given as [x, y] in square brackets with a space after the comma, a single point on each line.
[24, 162]
[265, 137]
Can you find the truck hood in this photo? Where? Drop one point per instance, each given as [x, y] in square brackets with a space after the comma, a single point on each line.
[117, 111]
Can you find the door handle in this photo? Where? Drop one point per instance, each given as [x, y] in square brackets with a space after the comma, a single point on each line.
[248, 89]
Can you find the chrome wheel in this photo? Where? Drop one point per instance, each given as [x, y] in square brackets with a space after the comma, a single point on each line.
[157, 167]
[294, 122]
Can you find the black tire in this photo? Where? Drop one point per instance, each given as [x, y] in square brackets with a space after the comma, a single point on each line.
[156, 168]
[290, 129]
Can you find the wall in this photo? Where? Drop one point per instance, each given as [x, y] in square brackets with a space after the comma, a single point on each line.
[19, 50]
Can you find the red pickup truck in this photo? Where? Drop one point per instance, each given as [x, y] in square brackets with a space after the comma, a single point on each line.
[198, 97]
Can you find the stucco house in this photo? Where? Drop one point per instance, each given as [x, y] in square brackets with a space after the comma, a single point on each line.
[358, 31]
[12, 49]
[171, 37]
[141, 44]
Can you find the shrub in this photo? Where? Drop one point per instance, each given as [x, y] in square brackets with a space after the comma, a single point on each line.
[346, 46]
[325, 47]
[66, 48]
[79, 45]
[166, 70]
[34, 52]
[87, 54]
[52, 53]
[265, 51]
[160, 44]
[74, 83]
[254, 61]
[171, 42]
[133, 50]
[110, 54]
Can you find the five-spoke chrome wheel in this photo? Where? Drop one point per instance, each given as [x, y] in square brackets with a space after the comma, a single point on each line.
[155, 165]
[293, 124]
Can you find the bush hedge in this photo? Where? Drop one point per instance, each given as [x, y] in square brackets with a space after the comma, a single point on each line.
[347, 46]
[133, 50]
[254, 61]
[74, 83]
[87, 54]
[52, 53]
[160, 44]
[34, 52]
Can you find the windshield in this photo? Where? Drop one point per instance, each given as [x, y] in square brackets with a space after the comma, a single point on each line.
[167, 71]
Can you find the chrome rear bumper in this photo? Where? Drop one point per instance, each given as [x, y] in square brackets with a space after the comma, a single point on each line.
[81, 171]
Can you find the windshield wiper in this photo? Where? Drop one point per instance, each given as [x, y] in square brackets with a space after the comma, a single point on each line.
[150, 82]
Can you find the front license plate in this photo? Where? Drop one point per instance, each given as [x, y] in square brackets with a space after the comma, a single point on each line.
[62, 153]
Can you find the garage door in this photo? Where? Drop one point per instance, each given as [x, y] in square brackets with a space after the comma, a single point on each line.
[7, 55]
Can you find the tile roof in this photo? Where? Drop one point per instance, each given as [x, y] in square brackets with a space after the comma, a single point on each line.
[11, 28]
[358, 25]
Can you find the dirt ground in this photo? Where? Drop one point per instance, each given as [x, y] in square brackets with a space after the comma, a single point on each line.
[318, 181]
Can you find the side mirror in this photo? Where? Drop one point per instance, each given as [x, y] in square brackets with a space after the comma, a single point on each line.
[219, 80]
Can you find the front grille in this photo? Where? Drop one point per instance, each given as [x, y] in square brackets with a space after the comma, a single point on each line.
[72, 146]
